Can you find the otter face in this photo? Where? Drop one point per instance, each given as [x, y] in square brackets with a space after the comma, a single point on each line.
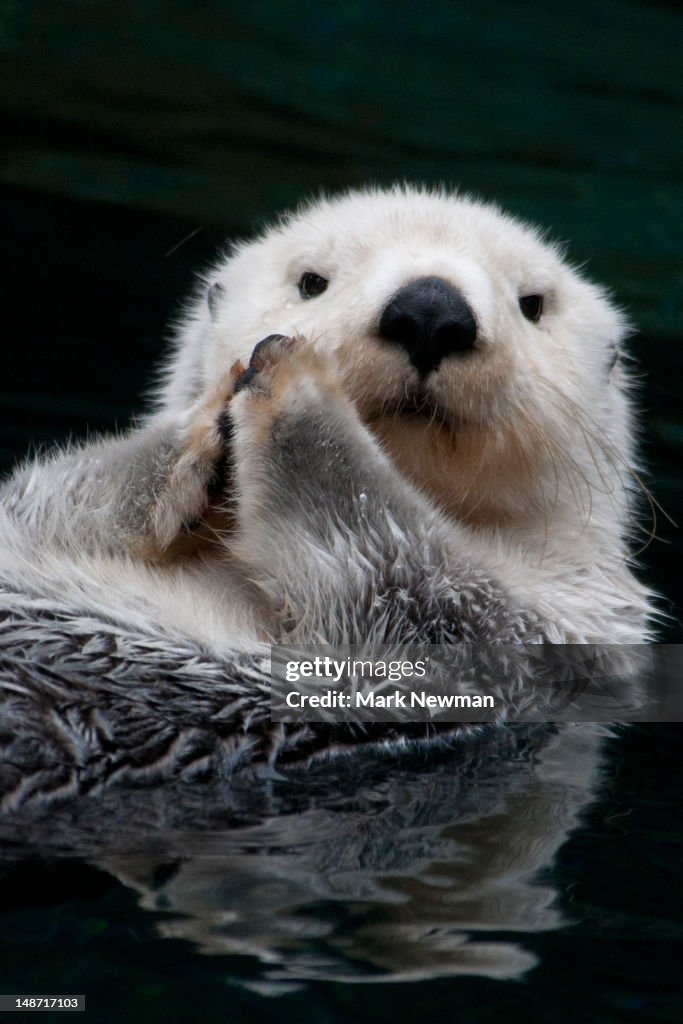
[481, 360]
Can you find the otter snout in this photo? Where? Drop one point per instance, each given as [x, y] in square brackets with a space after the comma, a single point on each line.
[430, 319]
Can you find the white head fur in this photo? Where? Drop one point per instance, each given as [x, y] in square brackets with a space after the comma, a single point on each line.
[530, 433]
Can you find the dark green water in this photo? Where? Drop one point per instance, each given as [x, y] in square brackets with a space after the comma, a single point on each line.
[501, 887]
[135, 137]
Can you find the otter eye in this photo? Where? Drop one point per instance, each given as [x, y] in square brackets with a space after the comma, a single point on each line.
[531, 307]
[311, 284]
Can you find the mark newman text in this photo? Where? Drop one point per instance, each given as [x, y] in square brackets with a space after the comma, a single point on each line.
[397, 699]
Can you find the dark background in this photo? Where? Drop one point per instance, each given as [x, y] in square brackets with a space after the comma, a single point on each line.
[138, 135]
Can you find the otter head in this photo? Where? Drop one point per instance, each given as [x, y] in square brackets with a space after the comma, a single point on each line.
[483, 362]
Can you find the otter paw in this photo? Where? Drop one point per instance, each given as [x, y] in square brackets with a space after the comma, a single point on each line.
[276, 362]
[266, 357]
[194, 477]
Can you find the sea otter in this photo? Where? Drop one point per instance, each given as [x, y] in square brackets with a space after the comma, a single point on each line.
[395, 417]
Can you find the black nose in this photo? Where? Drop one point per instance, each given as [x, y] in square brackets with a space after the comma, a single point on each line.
[429, 319]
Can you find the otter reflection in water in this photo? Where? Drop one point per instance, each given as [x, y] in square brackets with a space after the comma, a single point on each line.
[373, 867]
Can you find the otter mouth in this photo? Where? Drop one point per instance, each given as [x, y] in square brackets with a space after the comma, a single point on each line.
[417, 405]
[421, 407]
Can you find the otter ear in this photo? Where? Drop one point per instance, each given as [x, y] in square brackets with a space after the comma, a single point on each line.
[213, 297]
[612, 358]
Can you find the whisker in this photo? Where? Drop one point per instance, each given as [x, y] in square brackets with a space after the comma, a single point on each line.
[589, 429]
